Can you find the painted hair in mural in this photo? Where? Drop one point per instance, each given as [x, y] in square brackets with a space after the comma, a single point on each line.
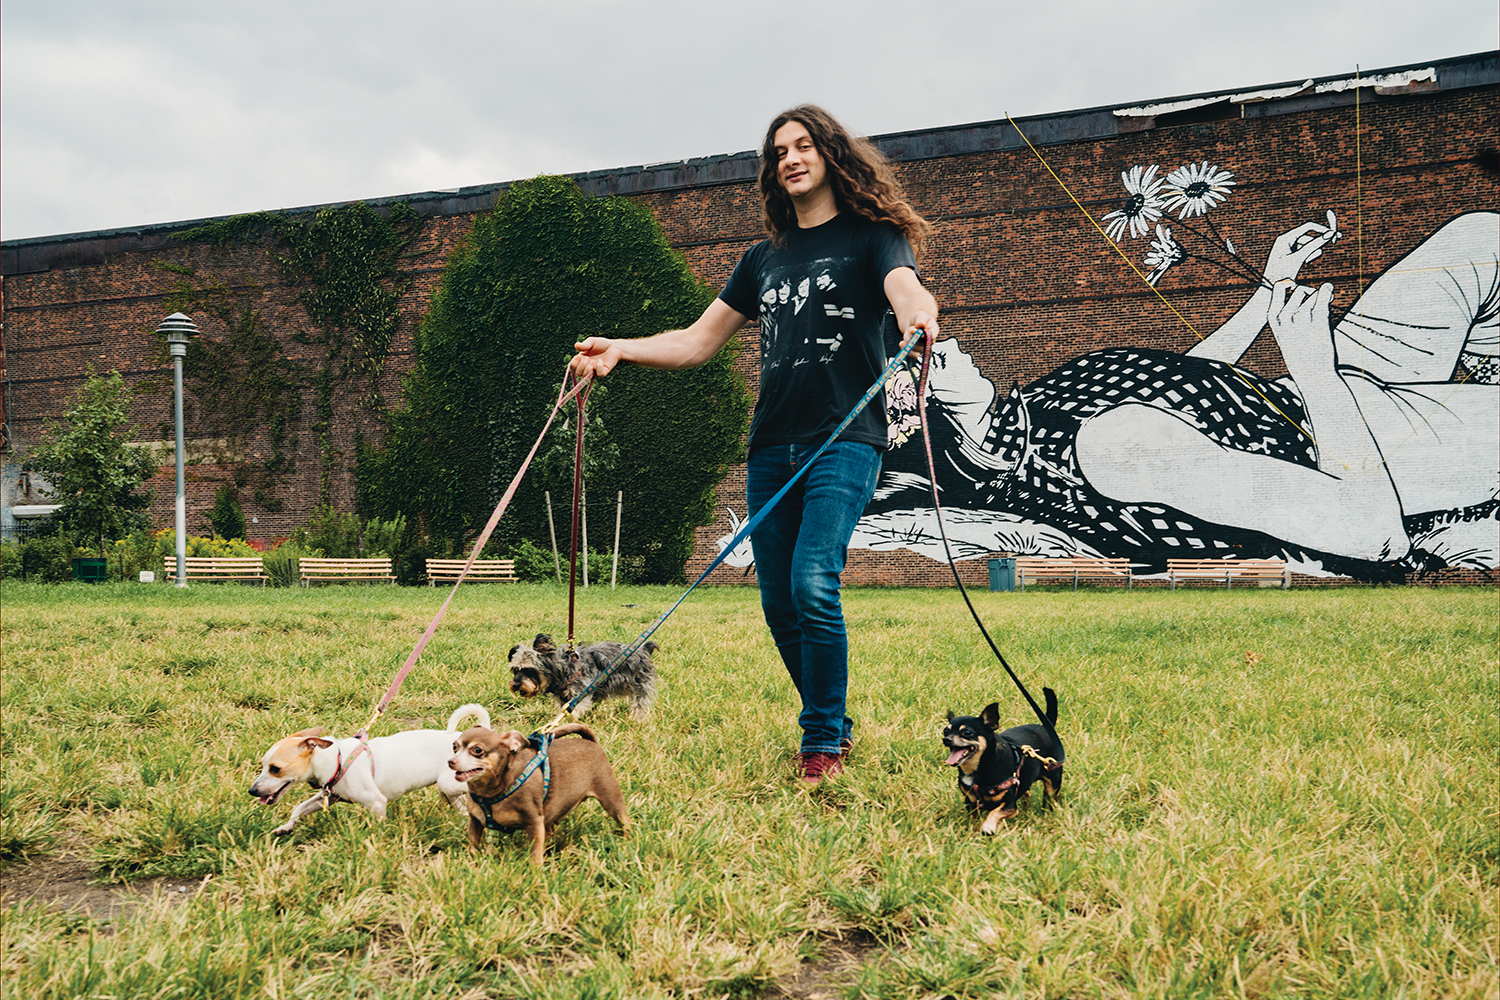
[1377, 455]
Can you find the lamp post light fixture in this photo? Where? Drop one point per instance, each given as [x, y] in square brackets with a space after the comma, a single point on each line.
[178, 329]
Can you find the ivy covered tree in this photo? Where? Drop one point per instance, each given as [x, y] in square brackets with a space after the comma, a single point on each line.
[94, 475]
[548, 267]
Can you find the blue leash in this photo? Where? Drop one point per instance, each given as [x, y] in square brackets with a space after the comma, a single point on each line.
[747, 527]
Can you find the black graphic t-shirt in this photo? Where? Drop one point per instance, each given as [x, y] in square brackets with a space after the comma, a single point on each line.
[823, 326]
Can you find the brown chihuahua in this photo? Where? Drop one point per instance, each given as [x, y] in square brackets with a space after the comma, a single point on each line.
[490, 762]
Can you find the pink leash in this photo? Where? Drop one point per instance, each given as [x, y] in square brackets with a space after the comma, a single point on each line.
[564, 395]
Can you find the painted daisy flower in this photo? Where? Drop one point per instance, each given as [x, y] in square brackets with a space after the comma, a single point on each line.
[1196, 188]
[1165, 251]
[1141, 209]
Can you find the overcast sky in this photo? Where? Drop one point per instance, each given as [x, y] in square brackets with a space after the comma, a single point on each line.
[129, 112]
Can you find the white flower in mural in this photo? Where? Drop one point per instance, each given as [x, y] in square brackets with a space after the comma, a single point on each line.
[1196, 188]
[1142, 208]
[1165, 252]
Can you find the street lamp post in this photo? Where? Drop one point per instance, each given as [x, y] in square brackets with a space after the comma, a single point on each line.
[178, 329]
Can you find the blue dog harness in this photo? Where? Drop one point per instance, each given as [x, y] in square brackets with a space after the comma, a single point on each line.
[540, 743]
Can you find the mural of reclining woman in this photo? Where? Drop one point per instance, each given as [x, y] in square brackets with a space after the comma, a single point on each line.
[1378, 454]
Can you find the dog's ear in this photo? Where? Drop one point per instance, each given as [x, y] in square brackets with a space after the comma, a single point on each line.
[313, 741]
[544, 644]
[512, 654]
[950, 715]
[991, 715]
[314, 731]
[513, 741]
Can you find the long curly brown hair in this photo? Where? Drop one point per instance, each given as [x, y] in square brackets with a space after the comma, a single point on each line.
[861, 176]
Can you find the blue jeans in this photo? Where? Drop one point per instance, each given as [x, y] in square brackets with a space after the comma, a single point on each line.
[799, 554]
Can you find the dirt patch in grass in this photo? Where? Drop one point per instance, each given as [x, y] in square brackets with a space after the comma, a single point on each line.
[825, 978]
[64, 880]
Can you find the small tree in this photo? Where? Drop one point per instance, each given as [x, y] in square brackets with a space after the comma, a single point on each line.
[548, 267]
[92, 472]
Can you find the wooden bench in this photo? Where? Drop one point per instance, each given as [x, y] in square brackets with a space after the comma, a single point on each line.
[344, 570]
[1044, 569]
[1262, 571]
[483, 571]
[219, 569]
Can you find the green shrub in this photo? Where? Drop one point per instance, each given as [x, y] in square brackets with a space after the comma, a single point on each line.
[48, 559]
[227, 519]
[533, 563]
[141, 550]
[546, 268]
[410, 564]
[281, 564]
[214, 547]
[384, 538]
[10, 559]
[331, 532]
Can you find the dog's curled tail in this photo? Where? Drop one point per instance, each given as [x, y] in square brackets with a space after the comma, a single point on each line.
[480, 713]
[1051, 697]
[571, 728]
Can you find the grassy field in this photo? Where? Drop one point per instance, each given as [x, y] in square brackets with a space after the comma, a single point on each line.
[1268, 794]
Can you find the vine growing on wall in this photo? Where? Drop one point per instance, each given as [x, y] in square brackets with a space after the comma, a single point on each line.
[343, 263]
[240, 382]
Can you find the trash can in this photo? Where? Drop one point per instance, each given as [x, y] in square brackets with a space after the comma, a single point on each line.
[1003, 573]
[90, 569]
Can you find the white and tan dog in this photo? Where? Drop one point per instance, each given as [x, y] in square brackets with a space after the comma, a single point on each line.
[391, 767]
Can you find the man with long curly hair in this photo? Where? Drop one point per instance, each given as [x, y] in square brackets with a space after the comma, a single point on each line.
[839, 267]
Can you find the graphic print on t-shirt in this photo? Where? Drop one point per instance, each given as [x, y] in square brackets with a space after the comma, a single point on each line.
[787, 293]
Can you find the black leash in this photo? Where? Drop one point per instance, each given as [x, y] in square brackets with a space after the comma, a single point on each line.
[937, 510]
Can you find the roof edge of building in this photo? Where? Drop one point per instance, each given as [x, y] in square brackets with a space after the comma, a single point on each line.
[44, 253]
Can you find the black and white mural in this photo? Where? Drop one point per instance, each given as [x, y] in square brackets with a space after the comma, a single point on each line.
[1378, 454]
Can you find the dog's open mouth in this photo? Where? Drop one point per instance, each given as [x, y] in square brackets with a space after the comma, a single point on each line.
[272, 798]
[471, 773]
[959, 755]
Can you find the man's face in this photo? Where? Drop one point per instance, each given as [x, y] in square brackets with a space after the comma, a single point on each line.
[799, 165]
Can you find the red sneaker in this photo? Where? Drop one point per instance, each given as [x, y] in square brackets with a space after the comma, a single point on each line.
[813, 766]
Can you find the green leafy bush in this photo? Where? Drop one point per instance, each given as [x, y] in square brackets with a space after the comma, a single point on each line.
[410, 564]
[384, 538]
[281, 564]
[48, 559]
[335, 534]
[331, 533]
[10, 559]
[533, 563]
[90, 468]
[227, 518]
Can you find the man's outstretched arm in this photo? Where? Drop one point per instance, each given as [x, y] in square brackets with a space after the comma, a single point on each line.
[686, 348]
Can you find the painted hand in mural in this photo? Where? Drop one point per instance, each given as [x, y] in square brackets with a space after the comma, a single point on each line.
[1289, 253]
[1299, 246]
[1299, 319]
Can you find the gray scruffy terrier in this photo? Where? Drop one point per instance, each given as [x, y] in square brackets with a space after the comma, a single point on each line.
[541, 668]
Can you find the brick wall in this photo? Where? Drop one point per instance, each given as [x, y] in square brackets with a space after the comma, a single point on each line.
[1025, 281]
